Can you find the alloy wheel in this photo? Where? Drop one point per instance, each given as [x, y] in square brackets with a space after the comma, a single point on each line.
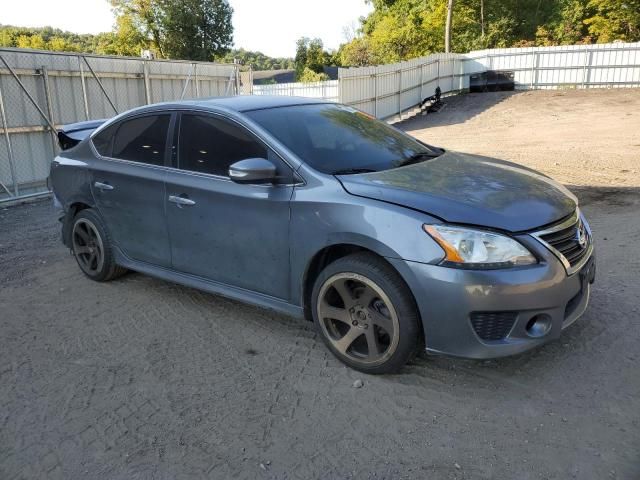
[358, 318]
[87, 247]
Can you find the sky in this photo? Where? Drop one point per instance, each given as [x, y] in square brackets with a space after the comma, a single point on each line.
[271, 27]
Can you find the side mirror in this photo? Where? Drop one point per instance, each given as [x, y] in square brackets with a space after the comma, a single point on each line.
[253, 170]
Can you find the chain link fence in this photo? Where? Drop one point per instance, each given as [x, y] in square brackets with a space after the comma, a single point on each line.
[41, 91]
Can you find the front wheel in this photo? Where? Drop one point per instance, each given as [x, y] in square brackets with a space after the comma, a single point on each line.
[366, 314]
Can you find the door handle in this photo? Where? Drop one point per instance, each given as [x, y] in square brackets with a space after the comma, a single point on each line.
[103, 186]
[181, 201]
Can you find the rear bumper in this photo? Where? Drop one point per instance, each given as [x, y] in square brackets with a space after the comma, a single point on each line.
[504, 304]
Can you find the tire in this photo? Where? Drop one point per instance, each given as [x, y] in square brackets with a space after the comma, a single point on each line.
[92, 247]
[377, 328]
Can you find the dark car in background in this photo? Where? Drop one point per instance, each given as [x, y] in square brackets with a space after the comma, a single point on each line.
[317, 210]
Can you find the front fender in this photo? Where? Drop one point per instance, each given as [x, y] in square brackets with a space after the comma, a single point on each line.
[326, 216]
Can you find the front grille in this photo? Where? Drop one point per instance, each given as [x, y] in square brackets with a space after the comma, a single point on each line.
[567, 241]
[493, 325]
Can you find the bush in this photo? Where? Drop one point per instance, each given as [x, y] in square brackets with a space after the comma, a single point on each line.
[309, 76]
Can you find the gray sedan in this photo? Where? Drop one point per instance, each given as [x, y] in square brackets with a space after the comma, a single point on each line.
[317, 210]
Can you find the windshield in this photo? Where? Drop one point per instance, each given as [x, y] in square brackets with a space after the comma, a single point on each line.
[336, 139]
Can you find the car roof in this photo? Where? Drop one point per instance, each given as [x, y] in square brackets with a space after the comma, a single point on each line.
[245, 103]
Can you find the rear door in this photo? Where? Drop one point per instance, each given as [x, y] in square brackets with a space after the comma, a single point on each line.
[128, 185]
[230, 233]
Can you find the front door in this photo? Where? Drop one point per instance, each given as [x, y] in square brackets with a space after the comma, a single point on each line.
[128, 186]
[227, 232]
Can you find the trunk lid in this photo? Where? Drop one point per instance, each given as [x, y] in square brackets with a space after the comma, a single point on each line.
[70, 135]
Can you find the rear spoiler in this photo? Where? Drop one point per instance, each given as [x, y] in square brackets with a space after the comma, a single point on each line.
[71, 135]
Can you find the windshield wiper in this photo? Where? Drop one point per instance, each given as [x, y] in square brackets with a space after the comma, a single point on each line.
[419, 157]
[353, 171]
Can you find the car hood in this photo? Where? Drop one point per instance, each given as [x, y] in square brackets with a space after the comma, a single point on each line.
[469, 189]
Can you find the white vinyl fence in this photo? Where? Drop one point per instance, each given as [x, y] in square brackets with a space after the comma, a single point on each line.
[581, 66]
[390, 90]
[327, 90]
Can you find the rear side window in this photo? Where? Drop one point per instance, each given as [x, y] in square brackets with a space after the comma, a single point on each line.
[103, 141]
[210, 145]
[141, 139]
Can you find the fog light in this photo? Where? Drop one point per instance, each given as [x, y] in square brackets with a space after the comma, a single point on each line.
[538, 326]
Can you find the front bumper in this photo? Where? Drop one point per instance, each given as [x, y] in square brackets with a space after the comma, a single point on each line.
[449, 298]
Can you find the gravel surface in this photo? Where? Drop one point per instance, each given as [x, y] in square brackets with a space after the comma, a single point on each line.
[140, 378]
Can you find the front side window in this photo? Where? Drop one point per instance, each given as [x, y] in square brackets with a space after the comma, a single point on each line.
[141, 139]
[208, 144]
[336, 139]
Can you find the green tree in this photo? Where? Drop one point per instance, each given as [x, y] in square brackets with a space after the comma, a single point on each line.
[614, 20]
[401, 29]
[184, 29]
[146, 16]
[7, 38]
[357, 53]
[256, 60]
[310, 54]
[316, 57]
[302, 49]
[60, 44]
[126, 40]
[197, 29]
[31, 41]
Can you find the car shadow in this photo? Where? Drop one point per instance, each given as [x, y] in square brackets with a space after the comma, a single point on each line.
[606, 196]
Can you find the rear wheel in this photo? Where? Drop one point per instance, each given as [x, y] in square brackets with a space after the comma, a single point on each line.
[366, 314]
[92, 248]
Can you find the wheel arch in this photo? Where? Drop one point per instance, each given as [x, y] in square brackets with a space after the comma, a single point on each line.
[72, 210]
[331, 253]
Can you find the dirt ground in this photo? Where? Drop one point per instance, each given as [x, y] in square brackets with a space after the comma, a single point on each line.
[142, 379]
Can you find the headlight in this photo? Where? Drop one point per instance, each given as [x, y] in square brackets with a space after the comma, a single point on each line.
[467, 248]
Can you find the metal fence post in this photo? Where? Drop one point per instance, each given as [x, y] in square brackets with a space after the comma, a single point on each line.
[196, 80]
[84, 89]
[12, 167]
[422, 81]
[375, 95]
[586, 72]
[147, 85]
[100, 84]
[453, 74]
[400, 93]
[186, 82]
[47, 94]
[534, 69]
